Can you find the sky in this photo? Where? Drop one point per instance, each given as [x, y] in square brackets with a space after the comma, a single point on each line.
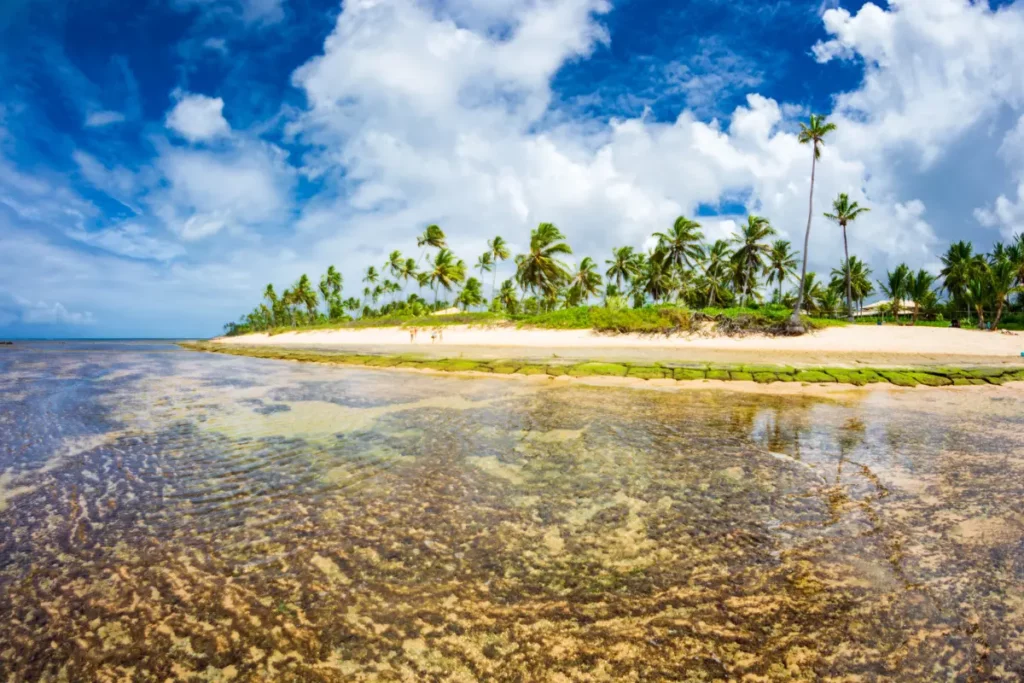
[161, 161]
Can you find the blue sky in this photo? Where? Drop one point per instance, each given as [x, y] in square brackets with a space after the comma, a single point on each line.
[160, 161]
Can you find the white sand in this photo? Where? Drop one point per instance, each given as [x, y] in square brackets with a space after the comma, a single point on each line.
[854, 343]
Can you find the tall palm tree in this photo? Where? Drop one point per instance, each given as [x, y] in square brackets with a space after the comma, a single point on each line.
[370, 278]
[959, 266]
[507, 297]
[717, 271]
[919, 288]
[812, 133]
[896, 285]
[622, 266]
[844, 211]
[584, 283]
[499, 252]
[394, 263]
[750, 253]
[271, 296]
[407, 271]
[471, 294]
[1002, 282]
[330, 290]
[781, 264]
[681, 245]
[485, 263]
[655, 279]
[432, 237]
[446, 271]
[859, 276]
[540, 269]
[305, 295]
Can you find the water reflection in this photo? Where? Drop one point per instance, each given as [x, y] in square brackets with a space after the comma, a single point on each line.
[172, 515]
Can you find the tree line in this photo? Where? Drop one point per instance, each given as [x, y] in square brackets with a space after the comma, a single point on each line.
[682, 269]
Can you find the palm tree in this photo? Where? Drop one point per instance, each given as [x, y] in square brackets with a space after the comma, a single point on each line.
[304, 295]
[976, 294]
[394, 263]
[585, 282]
[681, 246]
[717, 272]
[432, 236]
[485, 263]
[812, 133]
[1002, 278]
[445, 271]
[813, 293]
[407, 271]
[919, 288]
[781, 264]
[330, 290]
[539, 268]
[271, 296]
[959, 266]
[749, 256]
[829, 301]
[896, 284]
[859, 276]
[471, 294]
[622, 266]
[507, 297]
[371, 277]
[843, 211]
[499, 252]
[655, 279]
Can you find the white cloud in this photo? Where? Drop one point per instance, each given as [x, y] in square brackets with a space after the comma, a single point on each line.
[99, 119]
[1005, 214]
[130, 240]
[118, 182]
[263, 11]
[208, 192]
[198, 118]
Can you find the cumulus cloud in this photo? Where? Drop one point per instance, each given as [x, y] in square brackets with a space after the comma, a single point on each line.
[198, 118]
[17, 309]
[208, 192]
[99, 119]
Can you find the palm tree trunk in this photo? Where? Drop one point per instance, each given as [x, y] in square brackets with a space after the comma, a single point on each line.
[999, 314]
[849, 285]
[917, 307]
[494, 281]
[794, 322]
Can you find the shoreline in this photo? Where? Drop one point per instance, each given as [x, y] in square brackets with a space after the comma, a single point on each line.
[680, 373]
[852, 346]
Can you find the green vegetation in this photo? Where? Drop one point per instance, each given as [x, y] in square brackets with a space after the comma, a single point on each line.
[928, 376]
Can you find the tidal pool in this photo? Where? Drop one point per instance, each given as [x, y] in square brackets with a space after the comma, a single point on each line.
[168, 515]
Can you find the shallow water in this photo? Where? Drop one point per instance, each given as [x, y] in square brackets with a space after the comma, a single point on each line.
[173, 515]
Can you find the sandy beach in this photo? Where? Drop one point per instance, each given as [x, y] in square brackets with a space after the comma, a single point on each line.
[855, 344]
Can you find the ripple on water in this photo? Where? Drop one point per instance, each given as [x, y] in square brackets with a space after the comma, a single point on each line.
[186, 515]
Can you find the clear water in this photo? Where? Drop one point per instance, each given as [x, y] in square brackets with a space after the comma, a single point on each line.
[173, 515]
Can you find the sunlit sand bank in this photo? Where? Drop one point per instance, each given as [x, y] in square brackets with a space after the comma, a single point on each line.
[852, 345]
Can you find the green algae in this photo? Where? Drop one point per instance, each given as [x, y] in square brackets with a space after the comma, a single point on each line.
[685, 374]
[814, 376]
[533, 370]
[741, 376]
[765, 377]
[598, 370]
[718, 374]
[931, 380]
[646, 372]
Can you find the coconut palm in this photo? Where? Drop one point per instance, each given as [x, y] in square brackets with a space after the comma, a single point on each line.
[781, 264]
[471, 294]
[330, 290]
[1002, 283]
[681, 245]
[976, 294]
[812, 133]
[844, 211]
[485, 263]
[432, 237]
[749, 257]
[499, 252]
[717, 272]
[304, 295]
[445, 271]
[656, 279]
[959, 266]
[896, 285]
[507, 297]
[919, 289]
[859, 276]
[540, 269]
[813, 293]
[829, 301]
[622, 266]
[407, 271]
[584, 283]
[276, 308]
[394, 263]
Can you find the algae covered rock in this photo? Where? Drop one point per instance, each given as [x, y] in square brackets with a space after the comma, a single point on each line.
[683, 374]
[765, 377]
[461, 365]
[900, 379]
[557, 370]
[740, 376]
[504, 368]
[815, 376]
[598, 370]
[646, 372]
[930, 380]
[718, 374]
